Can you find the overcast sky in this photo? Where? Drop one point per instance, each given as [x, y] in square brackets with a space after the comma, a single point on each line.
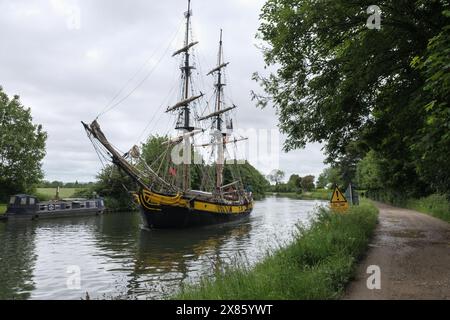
[67, 59]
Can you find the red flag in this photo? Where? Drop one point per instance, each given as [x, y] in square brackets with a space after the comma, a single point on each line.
[173, 172]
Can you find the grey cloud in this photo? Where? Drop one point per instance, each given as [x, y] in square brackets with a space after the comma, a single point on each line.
[66, 76]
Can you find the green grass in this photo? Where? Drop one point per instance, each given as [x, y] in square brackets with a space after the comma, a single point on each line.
[319, 194]
[3, 208]
[435, 205]
[49, 193]
[317, 265]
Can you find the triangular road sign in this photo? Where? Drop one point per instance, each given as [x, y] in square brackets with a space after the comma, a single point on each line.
[338, 196]
[338, 201]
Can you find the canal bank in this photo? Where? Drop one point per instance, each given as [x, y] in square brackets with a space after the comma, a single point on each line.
[318, 264]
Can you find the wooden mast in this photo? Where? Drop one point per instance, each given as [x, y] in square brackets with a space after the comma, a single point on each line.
[221, 137]
[187, 127]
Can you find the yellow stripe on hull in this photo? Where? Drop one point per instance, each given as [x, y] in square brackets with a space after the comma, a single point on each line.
[217, 208]
[152, 201]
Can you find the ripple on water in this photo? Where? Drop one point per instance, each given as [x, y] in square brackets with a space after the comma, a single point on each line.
[117, 258]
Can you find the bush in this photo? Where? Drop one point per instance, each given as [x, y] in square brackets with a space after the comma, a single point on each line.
[436, 205]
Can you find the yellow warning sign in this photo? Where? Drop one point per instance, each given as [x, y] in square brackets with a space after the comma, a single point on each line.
[338, 201]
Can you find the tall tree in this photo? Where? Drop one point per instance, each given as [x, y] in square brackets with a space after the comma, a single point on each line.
[294, 183]
[342, 83]
[115, 186]
[329, 177]
[322, 181]
[22, 147]
[308, 183]
[154, 149]
[276, 176]
[252, 179]
[433, 142]
[370, 172]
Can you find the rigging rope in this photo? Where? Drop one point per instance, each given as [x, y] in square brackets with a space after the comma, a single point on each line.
[110, 107]
[155, 114]
[147, 171]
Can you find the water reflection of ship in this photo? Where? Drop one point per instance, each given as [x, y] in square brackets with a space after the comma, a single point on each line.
[158, 256]
[168, 252]
[165, 249]
[17, 260]
[161, 249]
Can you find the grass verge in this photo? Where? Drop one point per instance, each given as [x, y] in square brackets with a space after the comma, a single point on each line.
[317, 265]
[435, 205]
[2, 208]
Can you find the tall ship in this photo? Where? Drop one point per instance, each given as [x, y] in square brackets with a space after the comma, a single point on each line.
[164, 191]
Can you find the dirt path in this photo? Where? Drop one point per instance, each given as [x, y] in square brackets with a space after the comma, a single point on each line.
[413, 252]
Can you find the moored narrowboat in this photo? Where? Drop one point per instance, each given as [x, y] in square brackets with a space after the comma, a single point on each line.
[24, 206]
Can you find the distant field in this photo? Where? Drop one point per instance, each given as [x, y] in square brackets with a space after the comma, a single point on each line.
[49, 193]
[2, 208]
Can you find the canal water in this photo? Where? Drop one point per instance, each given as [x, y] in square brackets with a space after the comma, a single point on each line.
[111, 256]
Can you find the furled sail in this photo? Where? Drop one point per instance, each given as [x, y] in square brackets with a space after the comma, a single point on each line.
[184, 103]
[179, 139]
[185, 49]
[223, 65]
[217, 113]
[218, 144]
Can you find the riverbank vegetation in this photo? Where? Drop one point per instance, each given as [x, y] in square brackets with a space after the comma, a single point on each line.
[295, 184]
[376, 97]
[22, 148]
[369, 175]
[436, 205]
[297, 187]
[317, 265]
[318, 194]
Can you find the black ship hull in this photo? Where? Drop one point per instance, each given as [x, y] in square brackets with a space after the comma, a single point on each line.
[168, 217]
[161, 211]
